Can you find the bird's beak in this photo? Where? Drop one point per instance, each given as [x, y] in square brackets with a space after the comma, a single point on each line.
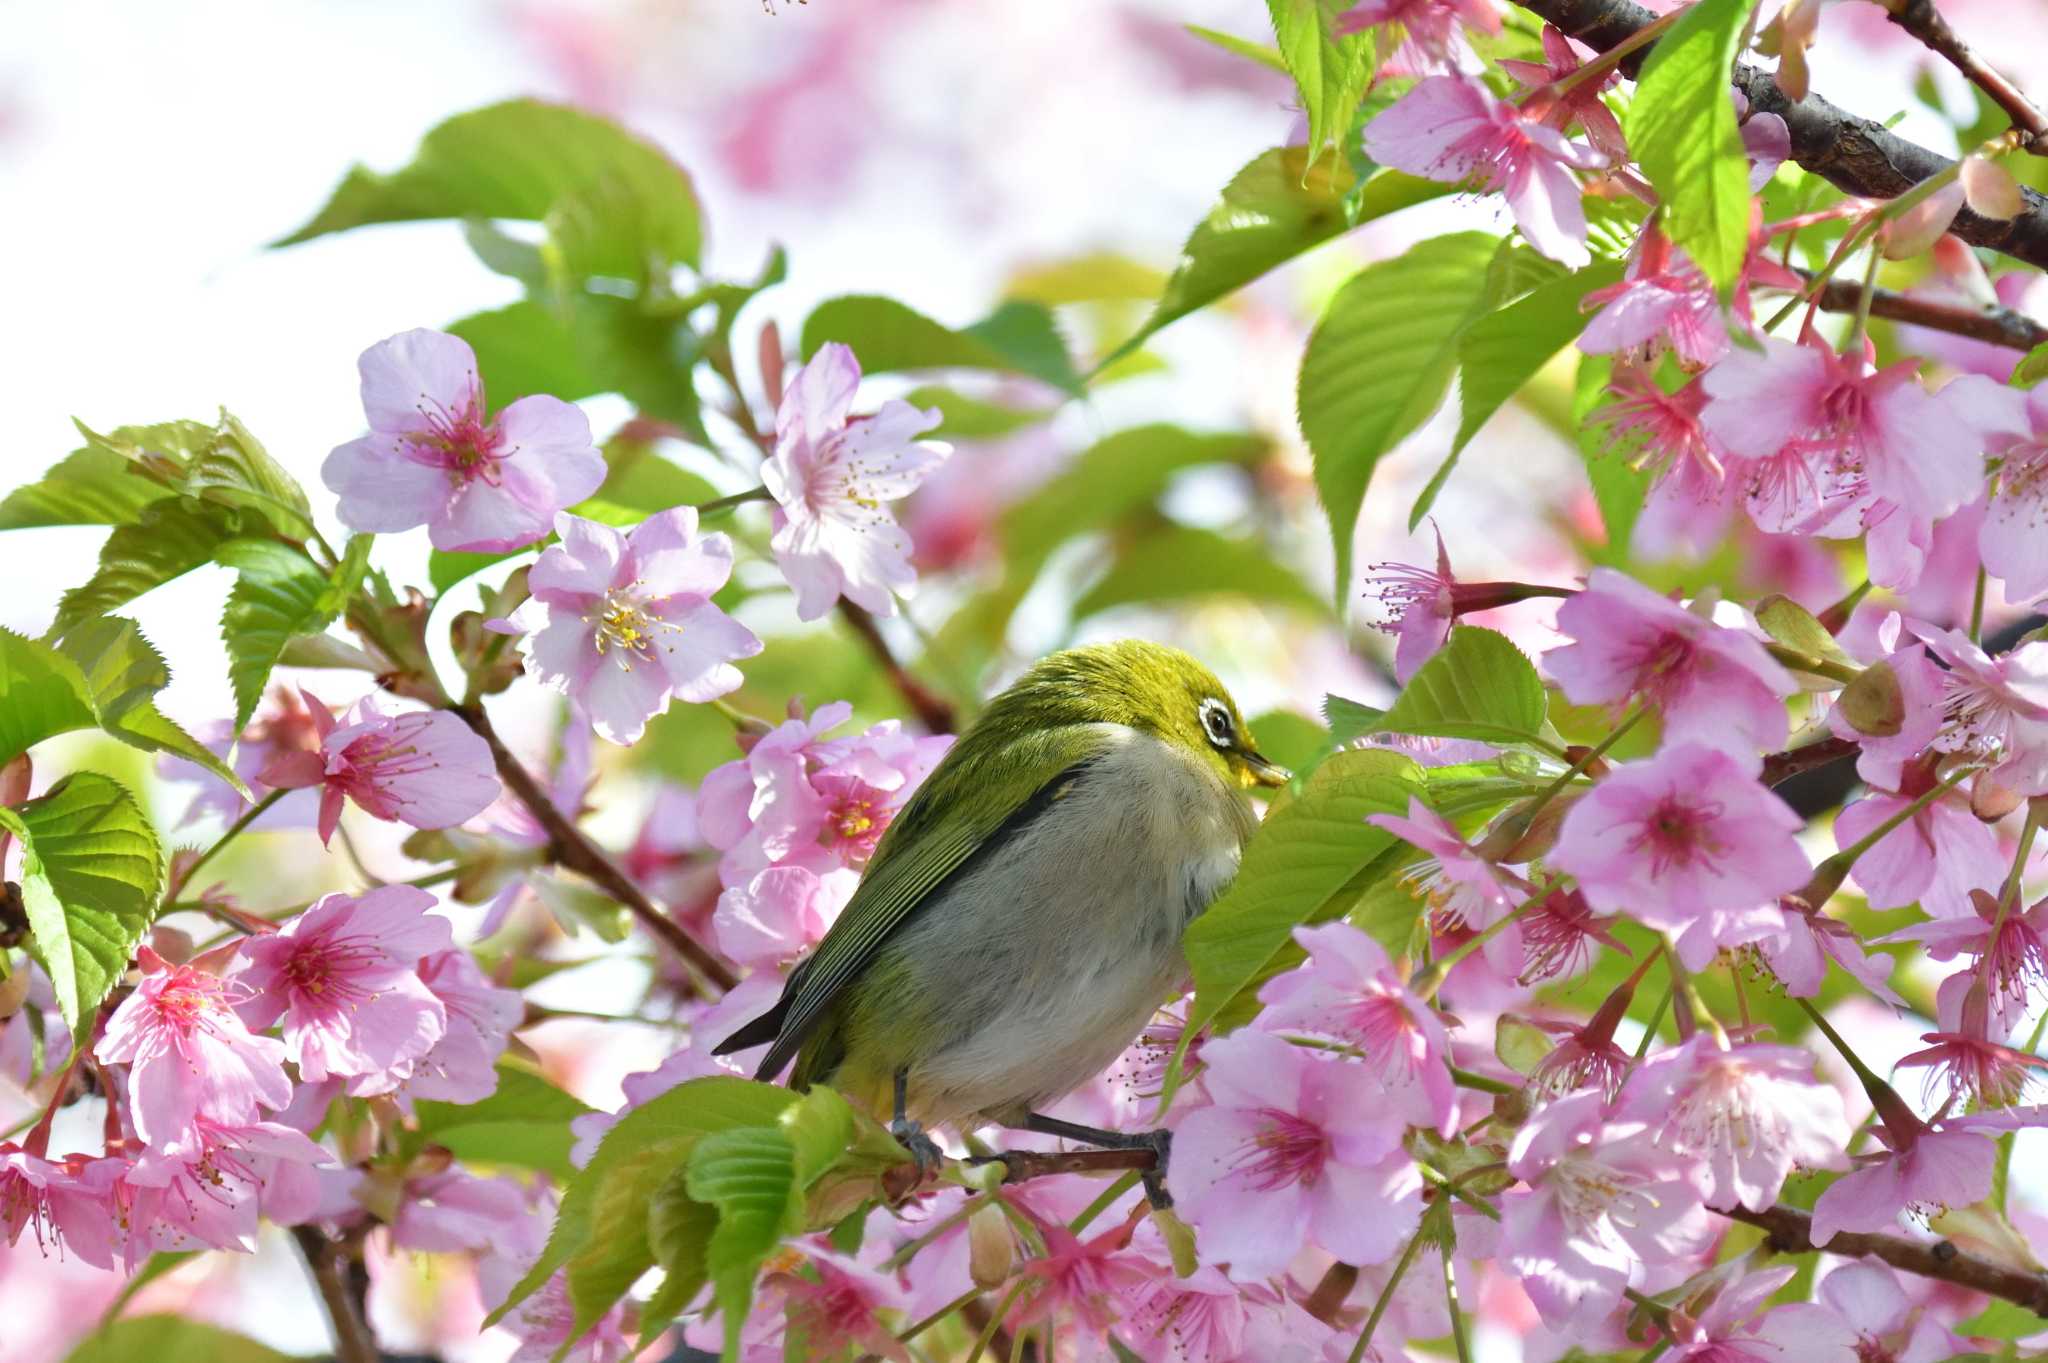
[1265, 771]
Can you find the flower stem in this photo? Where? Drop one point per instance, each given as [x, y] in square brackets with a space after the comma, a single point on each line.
[1863, 1072]
[234, 830]
[1429, 981]
[1977, 609]
[1468, 1079]
[1829, 875]
[1587, 759]
[1608, 60]
[718, 506]
[935, 1317]
[1464, 1345]
[1386, 1298]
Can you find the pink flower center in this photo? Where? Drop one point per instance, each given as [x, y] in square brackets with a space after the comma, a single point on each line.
[188, 1003]
[1724, 1113]
[370, 764]
[1588, 1190]
[325, 971]
[460, 441]
[1288, 1150]
[856, 816]
[623, 626]
[1679, 831]
[1401, 586]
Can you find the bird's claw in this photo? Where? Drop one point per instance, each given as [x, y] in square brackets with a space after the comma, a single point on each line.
[1160, 1143]
[924, 1151]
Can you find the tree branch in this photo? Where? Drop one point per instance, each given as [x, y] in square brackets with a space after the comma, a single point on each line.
[327, 1262]
[1789, 1230]
[1998, 326]
[1921, 19]
[1857, 155]
[571, 847]
[932, 710]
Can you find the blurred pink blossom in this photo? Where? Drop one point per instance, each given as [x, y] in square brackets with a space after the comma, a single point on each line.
[421, 767]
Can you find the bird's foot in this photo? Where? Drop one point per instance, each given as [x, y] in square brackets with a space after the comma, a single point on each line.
[923, 1149]
[1160, 1143]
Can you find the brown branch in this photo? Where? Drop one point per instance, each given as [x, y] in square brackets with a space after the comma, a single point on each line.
[1782, 766]
[932, 710]
[328, 1262]
[1996, 325]
[1921, 19]
[1790, 1233]
[1857, 155]
[570, 847]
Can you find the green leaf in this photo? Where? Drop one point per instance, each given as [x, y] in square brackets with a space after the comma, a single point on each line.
[648, 1142]
[524, 1123]
[42, 694]
[280, 594]
[1503, 350]
[117, 671]
[1181, 563]
[1242, 47]
[1349, 721]
[679, 1231]
[1278, 206]
[108, 480]
[1301, 857]
[1681, 127]
[888, 336]
[2004, 1320]
[526, 349]
[968, 418]
[1479, 686]
[1379, 362]
[750, 1175]
[90, 874]
[2032, 368]
[168, 539]
[235, 470]
[1332, 73]
[171, 1339]
[520, 159]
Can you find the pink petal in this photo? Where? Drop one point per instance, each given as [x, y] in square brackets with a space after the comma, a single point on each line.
[414, 370]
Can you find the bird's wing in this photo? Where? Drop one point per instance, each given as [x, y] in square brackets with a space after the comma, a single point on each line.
[937, 836]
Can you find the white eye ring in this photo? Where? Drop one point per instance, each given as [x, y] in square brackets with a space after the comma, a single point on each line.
[1215, 722]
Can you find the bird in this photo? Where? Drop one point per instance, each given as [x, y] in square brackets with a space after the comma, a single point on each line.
[1020, 920]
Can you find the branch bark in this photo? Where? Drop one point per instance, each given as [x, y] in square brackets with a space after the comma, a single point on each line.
[571, 847]
[1857, 155]
[1790, 1233]
[328, 1263]
[1921, 19]
[932, 710]
[1999, 326]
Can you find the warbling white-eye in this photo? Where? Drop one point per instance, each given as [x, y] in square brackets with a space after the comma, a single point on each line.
[1021, 919]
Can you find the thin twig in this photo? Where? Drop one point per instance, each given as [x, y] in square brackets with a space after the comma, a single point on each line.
[326, 1261]
[1858, 155]
[570, 847]
[1921, 19]
[1791, 1233]
[932, 710]
[1995, 325]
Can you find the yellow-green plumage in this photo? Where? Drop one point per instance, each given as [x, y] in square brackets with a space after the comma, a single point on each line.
[1021, 918]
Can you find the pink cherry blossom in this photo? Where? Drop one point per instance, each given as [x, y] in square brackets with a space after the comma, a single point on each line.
[546, 1325]
[282, 725]
[460, 1067]
[1461, 887]
[1883, 759]
[1452, 128]
[1662, 300]
[1927, 1171]
[206, 1195]
[1422, 605]
[1889, 1324]
[1726, 1333]
[1799, 954]
[25, 1178]
[433, 458]
[342, 976]
[1968, 1064]
[188, 1053]
[1688, 843]
[1348, 989]
[1997, 708]
[1711, 685]
[1581, 104]
[776, 917]
[1936, 857]
[1290, 1148]
[1559, 936]
[836, 1312]
[1750, 1115]
[421, 767]
[2011, 948]
[454, 1210]
[830, 475]
[622, 622]
[1428, 29]
[1601, 1198]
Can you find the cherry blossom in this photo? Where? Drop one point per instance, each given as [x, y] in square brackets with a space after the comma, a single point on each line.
[1997, 708]
[421, 767]
[459, 1068]
[621, 622]
[433, 458]
[1927, 1170]
[1729, 1330]
[1452, 128]
[1936, 857]
[1581, 104]
[777, 916]
[1663, 299]
[1428, 29]
[1889, 1325]
[2011, 946]
[830, 475]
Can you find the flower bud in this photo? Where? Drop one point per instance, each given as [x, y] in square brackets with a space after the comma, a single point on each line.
[1874, 704]
[991, 1249]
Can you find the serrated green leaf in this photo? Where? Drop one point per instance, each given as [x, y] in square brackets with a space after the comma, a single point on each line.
[235, 470]
[280, 593]
[750, 1176]
[1379, 362]
[2004, 1320]
[171, 1339]
[1477, 686]
[888, 337]
[524, 1123]
[519, 160]
[1302, 855]
[1241, 47]
[90, 874]
[1332, 72]
[1681, 127]
[1350, 721]
[524, 349]
[168, 539]
[1181, 563]
[679, 1231]
[1501, 351]
[660, 1132]
[105, 481]
[42, 694]
[121, 668]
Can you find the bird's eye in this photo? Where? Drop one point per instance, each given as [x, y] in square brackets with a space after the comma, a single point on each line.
[1216, 722]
